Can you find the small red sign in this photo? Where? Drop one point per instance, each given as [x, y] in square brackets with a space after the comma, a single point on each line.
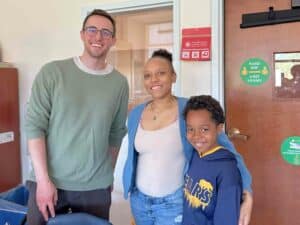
[196, 44]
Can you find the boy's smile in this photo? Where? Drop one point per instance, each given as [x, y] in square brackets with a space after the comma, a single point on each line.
[202, 130]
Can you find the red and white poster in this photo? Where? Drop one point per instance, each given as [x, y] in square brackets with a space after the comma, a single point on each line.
[196, 44]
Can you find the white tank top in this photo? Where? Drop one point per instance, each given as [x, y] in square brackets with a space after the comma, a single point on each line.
[161, 160]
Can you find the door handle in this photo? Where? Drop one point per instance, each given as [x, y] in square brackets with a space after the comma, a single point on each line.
[235, 133]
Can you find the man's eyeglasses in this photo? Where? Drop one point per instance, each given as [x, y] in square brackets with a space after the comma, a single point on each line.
[105, 33]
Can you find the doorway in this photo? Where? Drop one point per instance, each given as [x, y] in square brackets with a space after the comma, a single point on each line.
[261, 115]
[139, 33]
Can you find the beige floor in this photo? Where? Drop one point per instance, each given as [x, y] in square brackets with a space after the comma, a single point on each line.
[120, 210]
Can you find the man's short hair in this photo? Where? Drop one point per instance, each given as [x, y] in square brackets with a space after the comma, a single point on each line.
[100, 12]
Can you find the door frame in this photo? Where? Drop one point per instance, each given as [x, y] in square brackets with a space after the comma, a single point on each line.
[136, 5]
[217, 61]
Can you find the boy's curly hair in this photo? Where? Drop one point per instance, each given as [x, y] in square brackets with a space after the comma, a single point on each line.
[208, 103]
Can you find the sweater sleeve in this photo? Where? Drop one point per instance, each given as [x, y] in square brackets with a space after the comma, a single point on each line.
[228, 206]
[246, 176]
[229, 196]
[39, 105]
[118, 128]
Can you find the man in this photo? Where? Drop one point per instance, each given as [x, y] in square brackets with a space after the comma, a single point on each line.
[75, 123]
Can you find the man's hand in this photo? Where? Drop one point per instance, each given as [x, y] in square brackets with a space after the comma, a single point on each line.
[246, 208]
[114, 151]
[46, 198]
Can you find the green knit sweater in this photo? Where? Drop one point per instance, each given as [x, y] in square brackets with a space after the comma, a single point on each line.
[80, 115]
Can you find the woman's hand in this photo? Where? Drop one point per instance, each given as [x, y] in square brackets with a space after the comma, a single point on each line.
[246, 208]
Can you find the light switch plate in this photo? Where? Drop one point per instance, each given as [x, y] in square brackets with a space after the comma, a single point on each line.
[6, 137]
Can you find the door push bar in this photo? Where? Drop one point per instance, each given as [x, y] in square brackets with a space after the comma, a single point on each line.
[271, 17]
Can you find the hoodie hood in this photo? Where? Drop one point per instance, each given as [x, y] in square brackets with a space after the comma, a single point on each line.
[220, 154]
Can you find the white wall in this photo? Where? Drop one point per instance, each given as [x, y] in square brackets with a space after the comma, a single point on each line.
[195, 76]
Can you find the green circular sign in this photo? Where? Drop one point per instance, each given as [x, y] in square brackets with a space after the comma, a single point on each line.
[290, 150]
[255, 71]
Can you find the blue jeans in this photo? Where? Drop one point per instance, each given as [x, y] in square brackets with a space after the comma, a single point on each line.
[148, 210]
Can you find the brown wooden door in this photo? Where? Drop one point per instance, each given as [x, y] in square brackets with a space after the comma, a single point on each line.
[10, 166]
[260, 112]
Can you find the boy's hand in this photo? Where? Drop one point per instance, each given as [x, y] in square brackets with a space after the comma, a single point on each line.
[246, 208]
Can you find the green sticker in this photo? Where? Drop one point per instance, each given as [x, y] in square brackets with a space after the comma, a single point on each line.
[290, 150]
[255, 72]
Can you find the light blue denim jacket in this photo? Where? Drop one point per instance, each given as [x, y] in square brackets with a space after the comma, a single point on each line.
[129, 173]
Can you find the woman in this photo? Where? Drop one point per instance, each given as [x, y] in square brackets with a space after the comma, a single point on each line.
[158, 151]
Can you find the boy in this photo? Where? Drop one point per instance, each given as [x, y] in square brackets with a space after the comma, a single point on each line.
[213, 188]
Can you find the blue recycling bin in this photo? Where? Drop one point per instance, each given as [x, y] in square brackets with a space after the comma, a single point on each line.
[12, 213]
[13, 210]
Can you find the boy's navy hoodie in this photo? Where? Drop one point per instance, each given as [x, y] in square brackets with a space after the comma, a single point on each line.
[213, 189]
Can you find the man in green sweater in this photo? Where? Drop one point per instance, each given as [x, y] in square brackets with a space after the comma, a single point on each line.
[75, 124]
